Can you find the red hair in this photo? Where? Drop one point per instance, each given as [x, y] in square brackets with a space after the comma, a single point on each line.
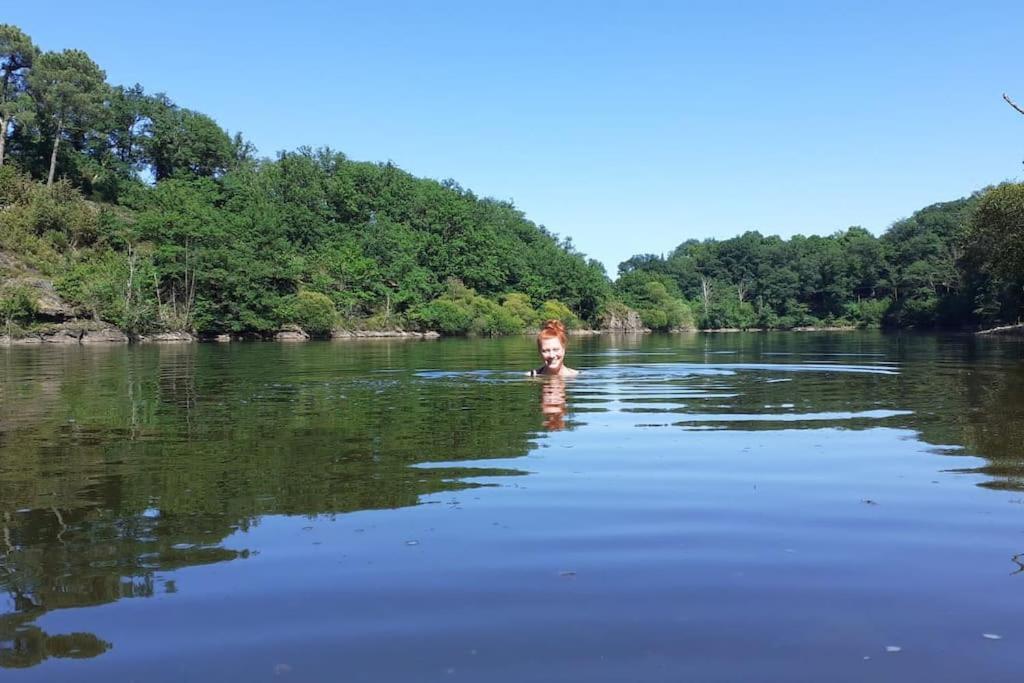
[550, 329]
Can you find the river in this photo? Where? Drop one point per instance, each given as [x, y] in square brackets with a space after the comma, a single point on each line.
[769, 506]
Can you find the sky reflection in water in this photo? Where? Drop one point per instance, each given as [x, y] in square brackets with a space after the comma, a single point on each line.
[779, 507]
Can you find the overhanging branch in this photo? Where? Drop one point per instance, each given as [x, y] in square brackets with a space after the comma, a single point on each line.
[1012, 103]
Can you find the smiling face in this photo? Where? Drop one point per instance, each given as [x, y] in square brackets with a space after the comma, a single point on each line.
[552, 352]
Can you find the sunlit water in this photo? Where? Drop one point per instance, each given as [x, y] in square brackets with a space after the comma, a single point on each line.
[790, 507]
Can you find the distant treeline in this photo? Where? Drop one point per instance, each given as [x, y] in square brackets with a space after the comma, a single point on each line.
[152, 217]
[955, 264]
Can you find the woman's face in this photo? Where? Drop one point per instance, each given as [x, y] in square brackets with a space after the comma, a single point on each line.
[552, 353]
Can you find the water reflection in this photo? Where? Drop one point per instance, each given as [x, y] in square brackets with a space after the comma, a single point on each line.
[552, 403]
[119, 467]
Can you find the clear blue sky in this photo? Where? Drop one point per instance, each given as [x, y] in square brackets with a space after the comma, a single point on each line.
[629, 126]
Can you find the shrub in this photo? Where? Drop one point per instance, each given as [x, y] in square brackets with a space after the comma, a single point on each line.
[867, 312]
[17, 304]
[314, 312]
[518, 306]
[445, 315]
[113, 286]
[556, 310]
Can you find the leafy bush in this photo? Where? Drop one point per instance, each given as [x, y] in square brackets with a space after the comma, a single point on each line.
[17, 305]
[867, 312]
[492, 319]
[518, 306]
[445, 315]
[115, 287]
[312, 311]
[556, 310]
[460, 310]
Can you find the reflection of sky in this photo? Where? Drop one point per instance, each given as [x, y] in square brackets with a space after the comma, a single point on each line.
[686, 498]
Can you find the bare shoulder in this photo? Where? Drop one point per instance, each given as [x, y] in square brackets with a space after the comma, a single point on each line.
[569, 372]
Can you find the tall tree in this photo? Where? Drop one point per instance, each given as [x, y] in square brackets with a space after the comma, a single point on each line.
[128, 116]
[185, 141]
[69, 89]
[995, 234]
[16, 55]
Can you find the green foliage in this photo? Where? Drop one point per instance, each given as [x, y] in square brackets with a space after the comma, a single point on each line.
[445, 315]
[655, 296]
[867, 312]
[115, 287]
[518, 307]
[461, 310]
[914, 275]
[17, 305]
[16, 56]
[994, 241]
[68, 88]
[225, 242]
[312, 311]
[553, 309]
[231, 241]
[39, 223]
[183, 142]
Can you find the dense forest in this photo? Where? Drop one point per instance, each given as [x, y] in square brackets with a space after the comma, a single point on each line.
[150, 216]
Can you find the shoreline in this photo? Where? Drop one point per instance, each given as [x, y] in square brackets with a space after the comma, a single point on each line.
[101, 334]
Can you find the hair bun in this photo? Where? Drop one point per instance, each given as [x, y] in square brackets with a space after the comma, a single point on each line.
[553, 325]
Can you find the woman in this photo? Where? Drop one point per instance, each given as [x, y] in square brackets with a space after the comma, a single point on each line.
[551, 343]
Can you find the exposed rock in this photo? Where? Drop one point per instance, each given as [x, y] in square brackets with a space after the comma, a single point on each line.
[626, 320]
[222, 338]
[48, 302]
[1006, 330]
[168, 338]
[292, 333]
[106, 335]
[74, 332]
[823, 328]
[66, 334]
[383, 334]
[49, 305]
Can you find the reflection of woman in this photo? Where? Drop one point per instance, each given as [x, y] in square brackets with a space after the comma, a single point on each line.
[552, 403]
[551, 343]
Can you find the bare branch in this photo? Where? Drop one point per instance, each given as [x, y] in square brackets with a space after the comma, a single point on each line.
[1012, 103]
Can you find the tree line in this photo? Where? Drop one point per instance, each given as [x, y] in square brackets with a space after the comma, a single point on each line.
[953, 264]
[151, 216]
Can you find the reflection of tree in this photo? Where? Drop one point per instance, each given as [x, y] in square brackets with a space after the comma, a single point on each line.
[118, 467]
[961, 391]
[964, 394]
[30, 645]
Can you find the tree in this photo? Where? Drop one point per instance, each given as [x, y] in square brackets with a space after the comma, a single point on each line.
[181, 141]
[128, 115]
[69, 89]
[16, 55]
[995, 234]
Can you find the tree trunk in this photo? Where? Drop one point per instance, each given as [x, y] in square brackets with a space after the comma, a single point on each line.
[53, 155]
[4, 122]
[705, 294]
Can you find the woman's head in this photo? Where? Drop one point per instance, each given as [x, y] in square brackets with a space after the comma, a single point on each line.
[551, 343]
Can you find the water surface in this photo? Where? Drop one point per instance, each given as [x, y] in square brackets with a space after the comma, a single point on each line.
[701, 507]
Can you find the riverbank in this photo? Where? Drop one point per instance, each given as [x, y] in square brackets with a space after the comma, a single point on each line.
[1005, 331]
